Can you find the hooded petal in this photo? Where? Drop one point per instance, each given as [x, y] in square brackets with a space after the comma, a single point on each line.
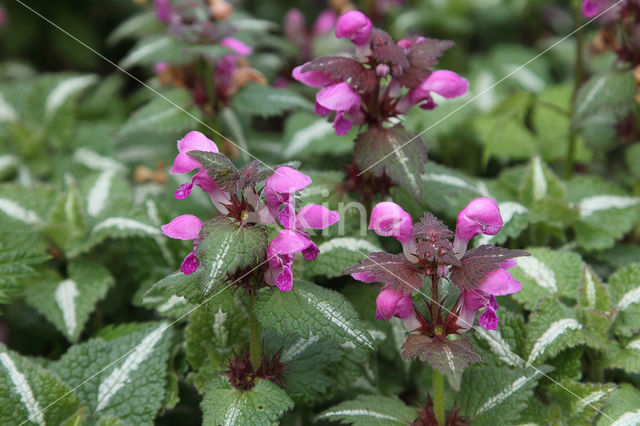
[341, 124]
[390, 220]
[311, 78]
[355, 26]
[590, 8]
[193, 141]
[480, 216]
[316, 216]
[338, 97]
[311, 252]
[286, 180]
[185, 227]
[445, 83]
[390, 303]
[489, 319]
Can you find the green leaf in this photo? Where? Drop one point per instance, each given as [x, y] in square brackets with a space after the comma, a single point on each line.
[337, 254]
[16, 264]
[219, 168]
[552, 327]
[496, 393]
[624, 286]
[310, 366]
[310, 309]
[388, 152]
[31, 394]
[67, 303]
[308, 135]
[136, 26]
[68, 225]
[580, 402]
[170, 112]
[128, 372]
[370, 410]
[601, 103]
[594, 306]
[624, 355]
[266, 101]
[451, 358]
[622, 407]
[226, 248]
[504, 345]
[153, 49]
[186, 287]
[606, 212]
[547, 272]
[540, 183]
[262, 405]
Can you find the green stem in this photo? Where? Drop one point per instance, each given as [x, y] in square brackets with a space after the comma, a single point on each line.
[438, 397]
[255, 336]
[573, 137]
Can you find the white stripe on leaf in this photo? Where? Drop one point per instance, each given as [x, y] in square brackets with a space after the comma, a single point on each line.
[65, 296]
[14, 210]
[359, 412]
[126, 224]
[538, 271]
[65, 89]
[506, 393]
[591, 205]
[121, 375]
[554, 331]
[348, 243]
[99, 192]
[23, 389]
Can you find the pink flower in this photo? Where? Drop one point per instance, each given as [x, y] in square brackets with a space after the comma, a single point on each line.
[193, 141]
[480, 216]
[355, 26]
[443, 82]
[3, 17]
[294, 24]
[185, 227]
[183, 163]
[161, 67]
[282, 249]
[496, 283]
[279, 191]
[312, 78]
[239, 47]
[324, 23]
[163, 9]
[390, 220]
[592, 8]
[339, 97]
[392, 303]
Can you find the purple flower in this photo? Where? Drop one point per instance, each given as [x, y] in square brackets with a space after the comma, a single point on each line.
[185, 227]
[496, 283]
[339, 97]
[480, 216]
[3, 17]
[163, 9]
[443, 82]
[592, 8]
[161, 67]
[279, 191]
[282, 249]
[355, 26]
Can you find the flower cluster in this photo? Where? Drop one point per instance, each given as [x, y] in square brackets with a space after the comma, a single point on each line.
[296, 31]
[248, 196]
[429, 253]
[367, 89]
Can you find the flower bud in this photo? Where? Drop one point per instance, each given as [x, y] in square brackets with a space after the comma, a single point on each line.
[382, 70]
[480, 216]
[355, 26]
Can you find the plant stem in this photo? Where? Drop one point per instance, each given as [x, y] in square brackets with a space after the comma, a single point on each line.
[438, 397]
[255, 336]
[578, 82]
